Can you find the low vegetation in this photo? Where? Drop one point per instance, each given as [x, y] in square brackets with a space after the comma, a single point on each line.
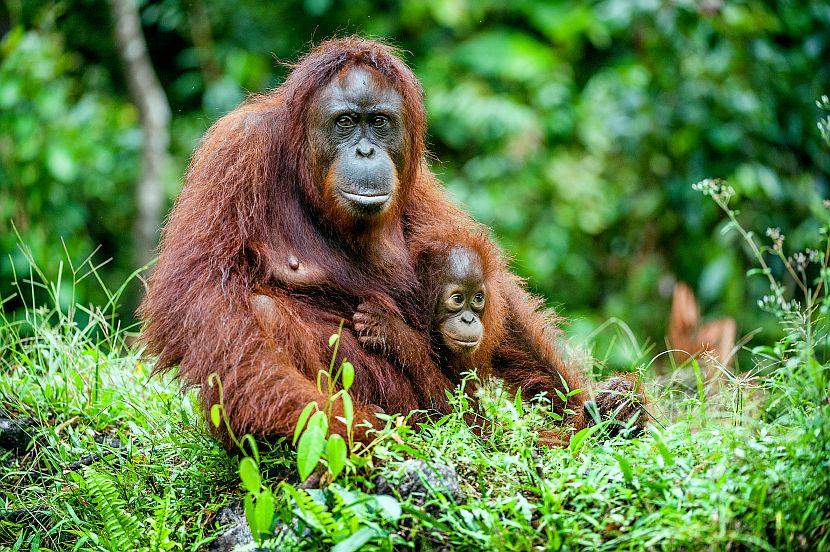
[117, 460]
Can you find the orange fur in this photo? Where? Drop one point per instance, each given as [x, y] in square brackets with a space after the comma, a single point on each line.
[221, 300]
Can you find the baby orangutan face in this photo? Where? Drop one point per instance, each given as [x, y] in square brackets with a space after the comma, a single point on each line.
[461, 301]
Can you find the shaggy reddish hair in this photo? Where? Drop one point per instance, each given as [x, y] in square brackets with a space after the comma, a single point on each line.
[252, 197]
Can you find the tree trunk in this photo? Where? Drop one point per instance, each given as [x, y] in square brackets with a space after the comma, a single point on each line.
[154, 113]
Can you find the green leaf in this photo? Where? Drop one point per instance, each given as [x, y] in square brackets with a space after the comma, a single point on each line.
[302, 420]
[579, 437]
[333, 339]
[668, 459]
[264, 511]
[625, 468]
[348, 375]
[356, 541]
[249, 473]
[389, 507]
[336, 454]
[250, 514]
[517, 402]
[215, 415]
[319, 421]
[348, 409]
[310, 449]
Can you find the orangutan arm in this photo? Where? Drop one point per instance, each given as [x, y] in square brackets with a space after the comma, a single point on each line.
[382, 331]
[528, 358]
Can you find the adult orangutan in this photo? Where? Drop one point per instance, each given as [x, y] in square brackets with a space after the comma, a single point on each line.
[297, 207]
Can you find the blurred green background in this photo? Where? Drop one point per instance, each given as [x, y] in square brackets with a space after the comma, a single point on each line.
[574, 129]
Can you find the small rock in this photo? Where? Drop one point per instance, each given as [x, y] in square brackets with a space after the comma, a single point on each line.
[237, 535]
[419, 480]
[16, 434]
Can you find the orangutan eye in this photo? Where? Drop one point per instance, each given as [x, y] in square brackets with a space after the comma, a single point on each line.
[479, 297]
[379, 121]
[344, 121]
[457, 298]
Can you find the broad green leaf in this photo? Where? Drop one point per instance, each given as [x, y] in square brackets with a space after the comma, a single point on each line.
[579, 437]
[336, 454]
[348, 375]
[625, 468]
[309, 450]
[264, 511]
[517, 402]
[250, 514]
[320, 421]
[333, 339]
[390, 507]
[215, 415]
[348, 408]
[249, 473]
[356, 541]
[302, 420]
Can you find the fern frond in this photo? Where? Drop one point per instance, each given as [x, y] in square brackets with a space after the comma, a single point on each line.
[314, 513]
[123, 528]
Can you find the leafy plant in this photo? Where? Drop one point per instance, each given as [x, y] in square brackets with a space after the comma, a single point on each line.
[311, 432]
[346, 519]
[315, 447]
[802, 311]
[123, 531]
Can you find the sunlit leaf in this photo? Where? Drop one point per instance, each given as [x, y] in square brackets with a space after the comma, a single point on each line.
[264, 511]
[249, 473]
[348, 408]
[215, 415]
[336, 452]
[301, 421]
[389, 507]
[578, 438]
[625, 467]
[356, 541]
[347, 375]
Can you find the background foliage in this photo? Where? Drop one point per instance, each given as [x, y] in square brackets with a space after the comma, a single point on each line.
[574, 129]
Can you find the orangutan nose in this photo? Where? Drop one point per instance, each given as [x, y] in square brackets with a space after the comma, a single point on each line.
[364, 149]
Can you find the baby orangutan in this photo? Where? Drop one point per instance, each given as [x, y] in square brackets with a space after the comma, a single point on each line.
[462, 314]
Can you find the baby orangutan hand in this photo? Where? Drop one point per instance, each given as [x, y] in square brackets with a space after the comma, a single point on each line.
[372, 323]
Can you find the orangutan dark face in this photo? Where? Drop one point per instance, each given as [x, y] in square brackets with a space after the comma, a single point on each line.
[356, 129]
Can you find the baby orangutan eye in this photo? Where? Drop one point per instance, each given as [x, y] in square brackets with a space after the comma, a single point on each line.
[457, 298]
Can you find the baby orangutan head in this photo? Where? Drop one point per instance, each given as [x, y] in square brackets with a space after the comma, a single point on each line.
[461, 301]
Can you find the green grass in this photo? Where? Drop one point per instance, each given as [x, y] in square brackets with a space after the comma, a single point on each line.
[702, 481]
[123, 461]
